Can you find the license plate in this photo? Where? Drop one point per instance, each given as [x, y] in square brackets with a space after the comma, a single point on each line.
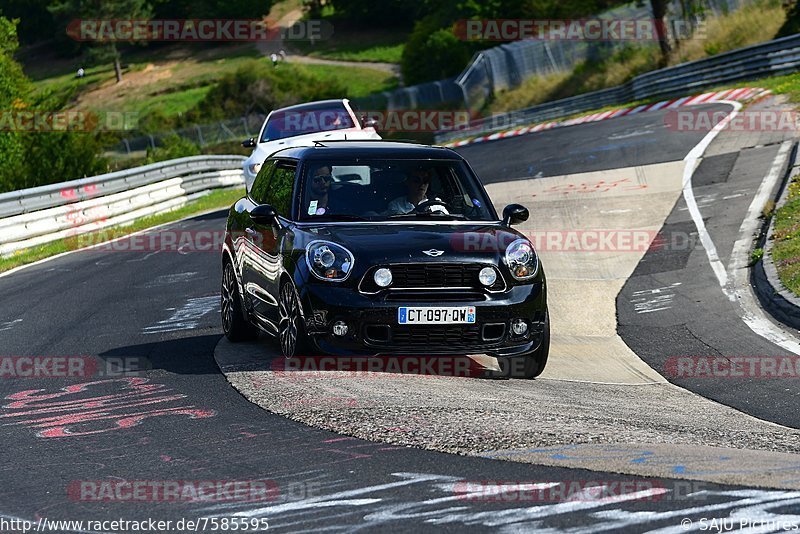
[436, 315]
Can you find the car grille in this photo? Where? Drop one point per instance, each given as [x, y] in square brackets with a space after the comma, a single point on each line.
[431, 275]
[434, 337]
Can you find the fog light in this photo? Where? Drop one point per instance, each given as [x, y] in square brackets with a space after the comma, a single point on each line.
[340, 328]
[487, 276]
[519, 327]
[383, 277]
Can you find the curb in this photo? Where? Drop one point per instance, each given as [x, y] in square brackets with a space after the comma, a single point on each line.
[742, 95]
[778, 301]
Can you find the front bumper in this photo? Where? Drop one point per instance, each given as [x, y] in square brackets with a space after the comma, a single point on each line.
[373, 327]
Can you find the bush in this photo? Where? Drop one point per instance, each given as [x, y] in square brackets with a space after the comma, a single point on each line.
[260, 87]
[433, 53]
[172, 147]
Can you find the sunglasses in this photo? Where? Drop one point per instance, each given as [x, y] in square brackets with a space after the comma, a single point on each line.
[421, 179]
[323, 178]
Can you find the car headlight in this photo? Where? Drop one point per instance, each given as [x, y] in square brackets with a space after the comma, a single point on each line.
[522, 260]
[254, 168]
[329, 261]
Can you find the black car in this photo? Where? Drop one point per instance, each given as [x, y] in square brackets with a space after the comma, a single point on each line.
[382, 248]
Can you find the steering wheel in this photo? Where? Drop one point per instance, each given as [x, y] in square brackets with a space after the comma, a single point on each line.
[420, 208]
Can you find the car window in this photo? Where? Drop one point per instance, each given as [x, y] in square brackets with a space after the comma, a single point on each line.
[279, 193]
[383, 189]
[261, 184]
[307, 119]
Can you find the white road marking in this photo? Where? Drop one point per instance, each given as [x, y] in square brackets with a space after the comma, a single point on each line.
[733, 281]
[690, 162]
[186, 317]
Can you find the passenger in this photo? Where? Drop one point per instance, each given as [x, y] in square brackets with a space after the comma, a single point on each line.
[416, 193]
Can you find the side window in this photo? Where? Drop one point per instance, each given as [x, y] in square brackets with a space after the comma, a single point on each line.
[261, 184]
[279, 195]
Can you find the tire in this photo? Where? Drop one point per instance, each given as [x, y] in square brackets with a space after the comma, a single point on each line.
[234, 322]
[532, 364]
[291, 334]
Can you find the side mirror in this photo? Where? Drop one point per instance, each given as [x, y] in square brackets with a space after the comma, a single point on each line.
[264, 214]
[515, 214]
[249, 143]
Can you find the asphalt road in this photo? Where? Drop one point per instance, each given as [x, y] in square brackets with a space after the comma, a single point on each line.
[180, 419]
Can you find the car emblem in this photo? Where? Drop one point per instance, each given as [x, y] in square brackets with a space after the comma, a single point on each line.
[433, 252]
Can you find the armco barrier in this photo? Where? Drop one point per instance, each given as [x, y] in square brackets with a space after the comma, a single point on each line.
[35, 216]
[772, 58]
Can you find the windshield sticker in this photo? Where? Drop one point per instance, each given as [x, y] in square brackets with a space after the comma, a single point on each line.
[320, 211]
[312, 207]
[476, 202]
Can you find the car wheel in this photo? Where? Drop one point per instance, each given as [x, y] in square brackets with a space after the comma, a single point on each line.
[532, 364]
[234, 323]
[290, 323]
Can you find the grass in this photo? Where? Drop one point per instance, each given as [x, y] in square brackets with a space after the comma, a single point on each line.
[752, 24]
[786, 239]
[381, 46]
[219, 199]
[174, 79]
[359, 81]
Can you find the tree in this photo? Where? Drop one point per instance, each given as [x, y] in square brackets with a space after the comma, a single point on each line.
[69, 10]
[659, 12]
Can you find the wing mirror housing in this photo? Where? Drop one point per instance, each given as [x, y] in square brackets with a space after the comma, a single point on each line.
[515, 214]
[249, 143]
[264, 214]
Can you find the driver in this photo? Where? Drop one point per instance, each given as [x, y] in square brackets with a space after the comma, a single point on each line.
[320, 188]
[416, 193]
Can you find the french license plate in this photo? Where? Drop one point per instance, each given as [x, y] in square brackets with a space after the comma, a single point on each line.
[436, 315]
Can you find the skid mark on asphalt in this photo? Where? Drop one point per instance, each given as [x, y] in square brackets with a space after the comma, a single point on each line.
[9, 325]
[73, 411]
[187, 317]
[653, 300]
[514, 506]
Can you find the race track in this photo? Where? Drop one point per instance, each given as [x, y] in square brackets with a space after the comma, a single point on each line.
[606, 409]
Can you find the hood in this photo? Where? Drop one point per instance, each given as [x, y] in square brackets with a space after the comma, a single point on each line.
[407, 243]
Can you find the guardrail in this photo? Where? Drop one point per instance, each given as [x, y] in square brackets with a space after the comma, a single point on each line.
[32, 217]
[776, 57]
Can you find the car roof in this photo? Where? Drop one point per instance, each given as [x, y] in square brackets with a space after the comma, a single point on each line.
[313, 105]
[326, 150]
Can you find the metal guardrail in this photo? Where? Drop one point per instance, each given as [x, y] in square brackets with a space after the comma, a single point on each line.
[31, 217]
[776, 57]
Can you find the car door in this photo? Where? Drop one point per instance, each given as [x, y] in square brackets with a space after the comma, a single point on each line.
[267, 260]
[249, 238]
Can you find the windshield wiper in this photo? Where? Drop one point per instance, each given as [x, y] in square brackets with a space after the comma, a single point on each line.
[427, 214]
[335, 217]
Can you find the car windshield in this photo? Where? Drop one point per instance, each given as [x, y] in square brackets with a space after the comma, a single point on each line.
[391, 189]
[305, 120]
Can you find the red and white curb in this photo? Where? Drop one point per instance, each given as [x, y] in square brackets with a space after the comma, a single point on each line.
[740, 95]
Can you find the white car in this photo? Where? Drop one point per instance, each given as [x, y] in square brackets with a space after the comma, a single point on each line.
[301, 125]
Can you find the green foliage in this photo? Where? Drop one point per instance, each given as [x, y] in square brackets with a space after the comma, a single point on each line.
[433, 53]
[29, 159]
[258, 87]
[172, 147]
[792, 24]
